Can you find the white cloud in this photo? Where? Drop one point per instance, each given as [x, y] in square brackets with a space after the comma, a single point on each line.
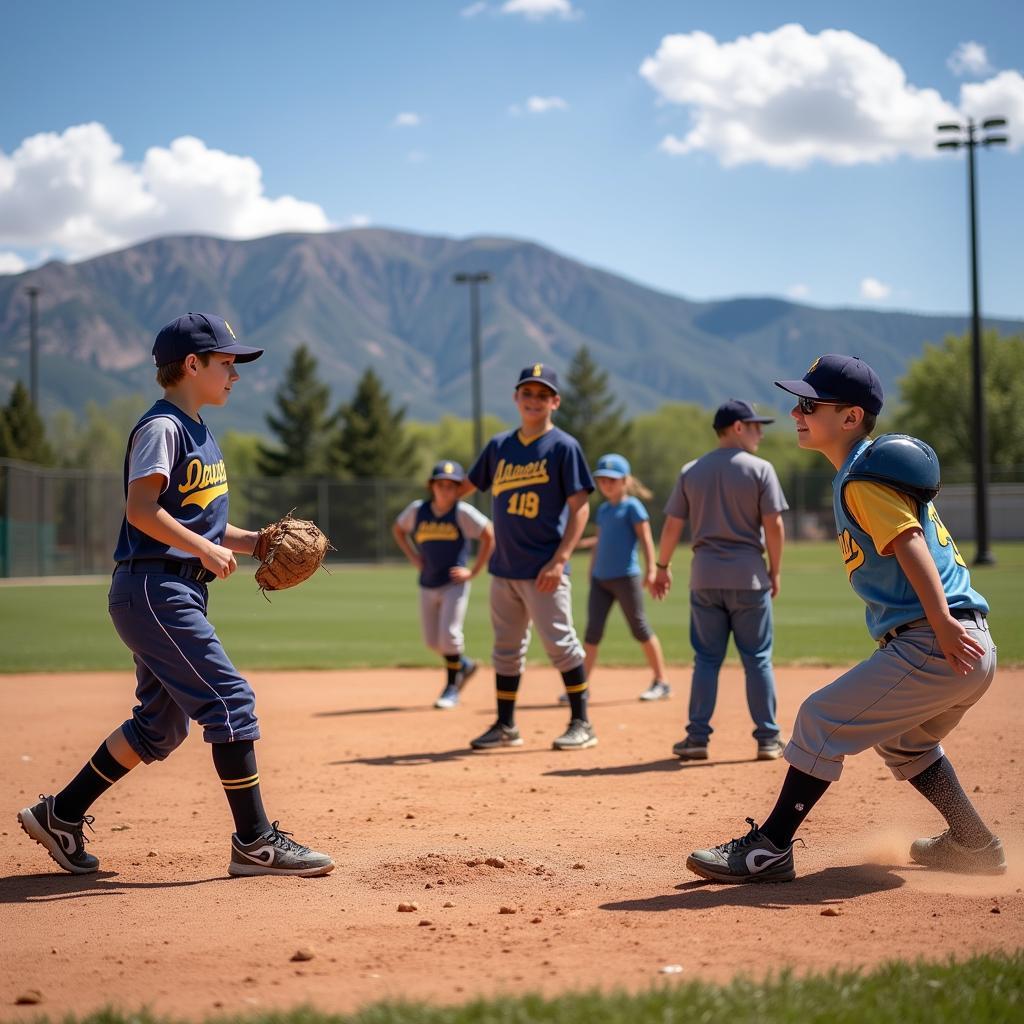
[873, 289]
[544, 104]
[11, 263]
[1002, 96]
[76, 193]
[969, 58]
[407, 119]
[359, 220]
[787, 98]
[473, 9]
[537, 9]
[798, 291]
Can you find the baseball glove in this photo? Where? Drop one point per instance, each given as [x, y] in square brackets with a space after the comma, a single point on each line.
[289, 551]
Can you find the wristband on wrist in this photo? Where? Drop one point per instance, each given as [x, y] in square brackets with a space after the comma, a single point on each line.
[660, 566]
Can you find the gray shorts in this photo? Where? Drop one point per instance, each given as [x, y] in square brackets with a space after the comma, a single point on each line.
[517, 603]
[902, 701]
[630, 595]
[442, 613]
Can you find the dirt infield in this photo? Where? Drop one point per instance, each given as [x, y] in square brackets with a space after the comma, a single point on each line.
[592, 845]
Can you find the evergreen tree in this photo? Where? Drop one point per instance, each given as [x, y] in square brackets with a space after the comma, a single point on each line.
[588, 411]
[22, 433]
[372, 442]
[301, 423]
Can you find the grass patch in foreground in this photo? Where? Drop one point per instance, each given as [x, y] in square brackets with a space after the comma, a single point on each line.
[983, 990]
[368, 617]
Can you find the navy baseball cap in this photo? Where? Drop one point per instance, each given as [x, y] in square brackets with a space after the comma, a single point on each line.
[835, 378]
[737, 411]
[448, 470]
[199, 332]
[541, 374]
[613, 466]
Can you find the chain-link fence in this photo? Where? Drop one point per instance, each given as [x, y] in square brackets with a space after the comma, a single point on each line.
[64, 522]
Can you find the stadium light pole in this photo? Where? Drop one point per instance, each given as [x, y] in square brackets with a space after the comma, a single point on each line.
[969, 136]
[32, 291]
[474, 280]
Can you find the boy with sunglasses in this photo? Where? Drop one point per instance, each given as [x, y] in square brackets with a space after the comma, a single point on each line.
[935, 658]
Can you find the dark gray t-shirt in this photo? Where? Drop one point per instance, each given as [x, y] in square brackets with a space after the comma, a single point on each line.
[723, 495]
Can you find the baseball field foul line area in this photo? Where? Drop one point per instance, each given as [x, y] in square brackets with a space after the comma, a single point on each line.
[522, 870]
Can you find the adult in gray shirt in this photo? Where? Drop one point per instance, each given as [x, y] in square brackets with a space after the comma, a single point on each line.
[734, 504]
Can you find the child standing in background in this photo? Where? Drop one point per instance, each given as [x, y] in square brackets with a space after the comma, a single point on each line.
[441, 529]
[622, 522]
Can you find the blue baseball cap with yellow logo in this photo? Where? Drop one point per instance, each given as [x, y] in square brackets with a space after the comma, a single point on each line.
[613, 466]
[540, 373]
[199, 332]
[841, 379]
[446, 469]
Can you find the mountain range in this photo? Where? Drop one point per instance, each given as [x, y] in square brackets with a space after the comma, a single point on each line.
[383, 298]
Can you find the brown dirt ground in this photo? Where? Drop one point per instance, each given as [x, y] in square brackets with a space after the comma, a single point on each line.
[360, 765]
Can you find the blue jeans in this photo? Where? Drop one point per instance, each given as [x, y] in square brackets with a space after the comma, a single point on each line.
[747, 614]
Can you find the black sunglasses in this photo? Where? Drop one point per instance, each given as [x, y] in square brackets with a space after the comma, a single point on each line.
[808, 405]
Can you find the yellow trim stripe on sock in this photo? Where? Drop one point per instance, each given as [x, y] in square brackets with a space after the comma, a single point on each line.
[246, 783]
[576, 689]
[506, 694]
[453, 664]
[100, 774]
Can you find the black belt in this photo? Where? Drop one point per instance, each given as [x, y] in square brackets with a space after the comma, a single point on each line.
[963, 614]
[170, 566]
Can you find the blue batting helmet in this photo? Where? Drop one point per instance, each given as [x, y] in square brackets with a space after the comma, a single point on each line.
[902, 462]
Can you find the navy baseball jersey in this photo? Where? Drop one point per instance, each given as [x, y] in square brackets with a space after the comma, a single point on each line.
[442, 541]
[530, 483]
[868, 517]
[184, 451]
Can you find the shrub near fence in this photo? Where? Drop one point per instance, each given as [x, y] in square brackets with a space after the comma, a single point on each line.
[64, 522]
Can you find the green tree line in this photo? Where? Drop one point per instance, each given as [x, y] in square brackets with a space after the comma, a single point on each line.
[368, 437]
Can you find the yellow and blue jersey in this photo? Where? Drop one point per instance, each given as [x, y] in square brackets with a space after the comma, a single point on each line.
[869, 516]
[530, 482]
[196, 494]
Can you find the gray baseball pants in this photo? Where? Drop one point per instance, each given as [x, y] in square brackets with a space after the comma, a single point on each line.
[902, 701]
[442, 613]
[517, 603]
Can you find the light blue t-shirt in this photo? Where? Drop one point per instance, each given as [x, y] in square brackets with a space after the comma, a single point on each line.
[617, 541]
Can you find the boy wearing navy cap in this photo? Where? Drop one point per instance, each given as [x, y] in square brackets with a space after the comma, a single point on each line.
[540, 482]
[434, 536]
[733, 502]
[935, 656]
[175, 538]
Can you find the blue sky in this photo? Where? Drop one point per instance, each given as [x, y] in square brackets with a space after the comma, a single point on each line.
[707, 150]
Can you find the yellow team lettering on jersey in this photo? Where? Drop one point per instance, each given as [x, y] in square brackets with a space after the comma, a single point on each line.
[525, 504]
[853, 554]
[203, 483]
[509, 477]
[942, 535]
[435, 531]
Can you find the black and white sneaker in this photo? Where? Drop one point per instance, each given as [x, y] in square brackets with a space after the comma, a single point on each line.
[946, 854]
[751, 858]
[276, 853]
[690, 750]
[64, 841]
[498, 736]
[658, 690]
[579, 735]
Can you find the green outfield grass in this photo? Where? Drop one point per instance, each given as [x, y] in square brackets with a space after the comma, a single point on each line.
[983, 990]
[368, 617]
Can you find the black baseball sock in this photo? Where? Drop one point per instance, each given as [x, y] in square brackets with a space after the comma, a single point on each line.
[236, 767]
[506, 690]
[453, 664]
[939, 785]
[800, 792]
[576, 687]
[99, 773]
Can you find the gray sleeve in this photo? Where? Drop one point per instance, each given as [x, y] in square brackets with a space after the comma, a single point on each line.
[772, 498]
[472, 522]
[406, 519]
[678, 505]
[155, 448]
